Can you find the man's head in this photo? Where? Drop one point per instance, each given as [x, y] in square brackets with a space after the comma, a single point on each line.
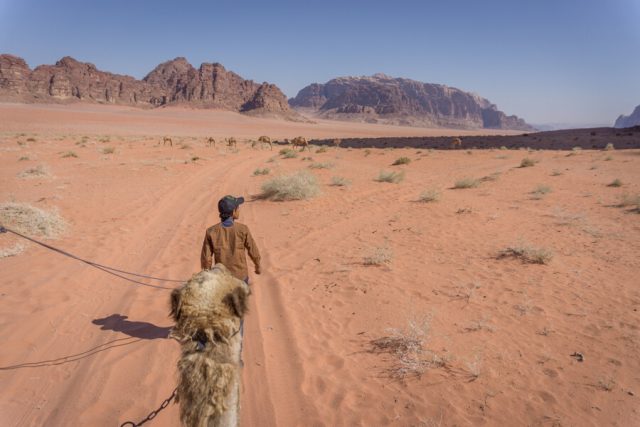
[229, 206]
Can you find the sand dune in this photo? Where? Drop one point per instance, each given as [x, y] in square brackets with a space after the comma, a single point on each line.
[81, 347]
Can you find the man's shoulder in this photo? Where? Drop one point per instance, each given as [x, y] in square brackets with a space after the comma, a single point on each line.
[241, 227]
[213, 228]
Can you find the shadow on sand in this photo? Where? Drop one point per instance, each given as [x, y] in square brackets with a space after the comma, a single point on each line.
[142, 330]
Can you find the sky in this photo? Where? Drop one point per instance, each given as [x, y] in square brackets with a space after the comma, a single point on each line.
[571, 62]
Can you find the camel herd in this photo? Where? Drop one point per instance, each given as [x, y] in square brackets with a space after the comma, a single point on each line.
[299, 141]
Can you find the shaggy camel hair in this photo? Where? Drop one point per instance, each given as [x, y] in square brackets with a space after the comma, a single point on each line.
[300, 141]
[207, 311]
[167, 139]
[211, 142]
[456, 143]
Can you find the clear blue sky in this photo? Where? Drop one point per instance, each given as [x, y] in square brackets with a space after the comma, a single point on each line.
[549, 61]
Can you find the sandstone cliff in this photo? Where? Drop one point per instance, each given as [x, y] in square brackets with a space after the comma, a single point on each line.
[629, 121]
[170, 83]
[383, 99]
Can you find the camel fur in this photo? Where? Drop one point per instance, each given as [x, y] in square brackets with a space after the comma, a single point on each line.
[207, 311]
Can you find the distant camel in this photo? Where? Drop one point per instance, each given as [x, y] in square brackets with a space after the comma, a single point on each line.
[211, 142]
[167, 139]
[231, 142]
[300, 141]
[337, 142]
[456, 143]
[265, 140]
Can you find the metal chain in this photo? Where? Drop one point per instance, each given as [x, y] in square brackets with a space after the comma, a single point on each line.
[153, 414]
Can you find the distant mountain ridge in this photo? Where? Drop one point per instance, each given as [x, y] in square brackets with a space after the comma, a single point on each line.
[173, 82]
[384, 99]
[629, 121]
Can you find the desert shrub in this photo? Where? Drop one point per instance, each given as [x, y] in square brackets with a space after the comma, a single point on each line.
[392, 177]
[31, 139]
[609, 147]
[319, 165]
[527, 254]
[23, 158]
[105, 139]
[616, 183]
[308, 159]
[527, 162]
[556, 172]
[608, 158]
[68, 154]
[39, 171]
[108, 150]
[30, 220]
[185, 146]
[379, 256]
[629, 200]
[321, 150]
[263, 171]
[466, 183]
[284, 151]
[339, 181]
[407, 348]
[541, 190]
[288, 153]
[429, 196]
[503, 148]
[195, 158]
[301, 185]
[367, 152]
[402, 161]
[492, 177]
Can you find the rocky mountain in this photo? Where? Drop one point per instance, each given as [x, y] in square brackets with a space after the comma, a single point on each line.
[383, 99]
[170, 83]
[629, 121]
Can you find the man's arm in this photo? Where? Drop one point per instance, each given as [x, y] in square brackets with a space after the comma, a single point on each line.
[206, 257]
[252, 249]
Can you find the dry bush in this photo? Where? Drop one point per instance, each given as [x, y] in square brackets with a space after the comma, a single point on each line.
[23, 158]
[379, 256]
[339, 181]
[615, 183]
[527, 162]
[30, 220]
[402, 161]
[493, 177]
[392, 177]
[16, 249]
[429, 196]
[407, 348]
[466, 183]
[527, 254]
[288, 153]
[540, 191]
[367, 152]
[31, 139]
[627, 200]
[108, 150]
[556, 172]
[185, 146]
[321, 150]
[608, 158]
[321, 165]
[263, 171]
[609, 147]
[68, 154]
[299, 186]
[39, 171]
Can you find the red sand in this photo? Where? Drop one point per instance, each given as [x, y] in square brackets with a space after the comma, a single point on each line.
[506, 328]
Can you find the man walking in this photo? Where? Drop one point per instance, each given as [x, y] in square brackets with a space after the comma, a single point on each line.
[227, 241]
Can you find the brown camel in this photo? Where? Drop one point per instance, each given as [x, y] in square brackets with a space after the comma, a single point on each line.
[300, 141]
[337, 142]
[207, 311]
[231, 142]
[167, 139]
[456, 143]
[211, 142]
[266, 140]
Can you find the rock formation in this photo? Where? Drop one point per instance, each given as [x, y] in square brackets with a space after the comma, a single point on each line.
[170, 83]
[629, 121]
[383, 99]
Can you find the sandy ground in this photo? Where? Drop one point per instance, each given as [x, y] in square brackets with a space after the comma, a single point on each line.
[80, 347]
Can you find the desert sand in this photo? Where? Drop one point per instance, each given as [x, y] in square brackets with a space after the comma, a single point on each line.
[81, 347]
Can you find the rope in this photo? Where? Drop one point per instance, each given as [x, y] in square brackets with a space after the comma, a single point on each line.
[153, 414]
[110, 270]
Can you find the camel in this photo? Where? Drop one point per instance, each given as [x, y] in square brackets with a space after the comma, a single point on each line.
[265, 140]
[211, 142]
[208, 310]
[456, 143]
[231, 142]
[167, 139]
[337, 142]
[301, 142]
